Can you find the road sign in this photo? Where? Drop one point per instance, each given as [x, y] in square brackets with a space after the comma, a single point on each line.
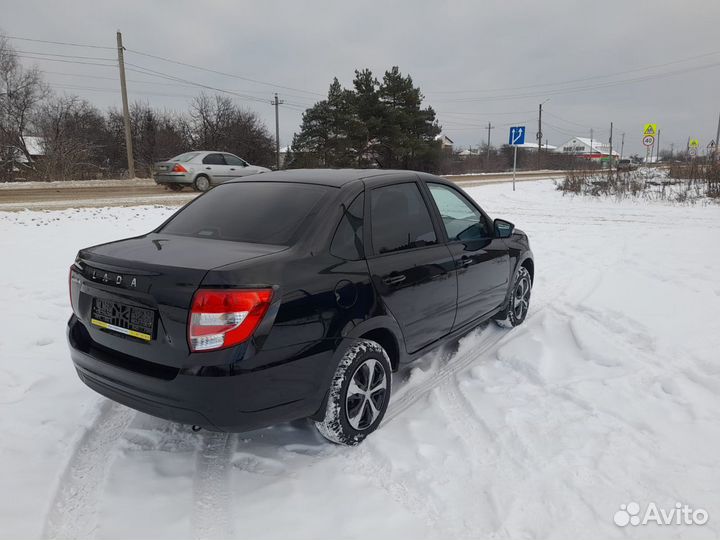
[694, 143]
[517, 135]
[648, 140]
[711, 145]
[650, 129]
[692, 151]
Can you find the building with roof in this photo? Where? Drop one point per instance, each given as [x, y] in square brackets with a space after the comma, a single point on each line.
[587, 148]
[534, 146]
[446, 143]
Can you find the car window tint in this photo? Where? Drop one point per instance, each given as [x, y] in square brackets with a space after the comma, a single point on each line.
[233, 160]
[256, 212]
[400, 219]
[461, 219]
[184, 158]
[214, 159]
[348, 240]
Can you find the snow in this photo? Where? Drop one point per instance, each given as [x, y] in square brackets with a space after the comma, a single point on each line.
[609, 393]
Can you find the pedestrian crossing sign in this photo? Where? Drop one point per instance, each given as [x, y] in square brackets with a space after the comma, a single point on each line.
[650, 129]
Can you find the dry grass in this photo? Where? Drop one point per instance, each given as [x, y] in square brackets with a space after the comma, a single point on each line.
[682, 183]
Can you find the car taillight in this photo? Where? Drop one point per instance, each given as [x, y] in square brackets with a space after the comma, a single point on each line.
[222, 318]
[178, 168]
[71, 273]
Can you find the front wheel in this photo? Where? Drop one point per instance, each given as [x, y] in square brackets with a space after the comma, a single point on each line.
[359, 394]
[519, 301]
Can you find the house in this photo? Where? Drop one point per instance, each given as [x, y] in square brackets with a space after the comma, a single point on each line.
[587, 148]
[35, 148]
[446, 143]
[534, 146]
[464, 154]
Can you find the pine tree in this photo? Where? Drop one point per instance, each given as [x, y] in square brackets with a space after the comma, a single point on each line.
[374, 124]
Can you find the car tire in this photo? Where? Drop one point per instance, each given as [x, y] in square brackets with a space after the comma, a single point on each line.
[358, 395]
[174, 187]
[518, 301]
[201, 183]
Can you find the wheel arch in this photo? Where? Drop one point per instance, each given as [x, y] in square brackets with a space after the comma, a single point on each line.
[385, 331]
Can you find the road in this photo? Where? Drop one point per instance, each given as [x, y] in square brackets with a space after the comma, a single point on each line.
[100, 193]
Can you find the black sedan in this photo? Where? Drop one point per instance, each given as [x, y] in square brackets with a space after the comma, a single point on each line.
[292, 294]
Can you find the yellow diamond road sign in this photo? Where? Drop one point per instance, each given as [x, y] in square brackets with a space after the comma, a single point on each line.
[694, 143]
[650, 129]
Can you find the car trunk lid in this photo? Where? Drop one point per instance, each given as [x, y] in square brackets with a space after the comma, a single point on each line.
[145, 285]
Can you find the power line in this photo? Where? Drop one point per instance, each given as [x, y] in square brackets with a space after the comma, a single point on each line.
[582, 79]
[66, 55]
[580, 88]
[222, 72]
[66, 61]
[154, 73]
[61, 43]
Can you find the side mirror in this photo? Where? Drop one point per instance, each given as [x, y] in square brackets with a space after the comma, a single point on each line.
[503, 229]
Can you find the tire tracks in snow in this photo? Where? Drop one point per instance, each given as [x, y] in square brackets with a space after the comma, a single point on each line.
[413, 498]
[456, 364]
[73, 511]
[478, 442]
[212, 516]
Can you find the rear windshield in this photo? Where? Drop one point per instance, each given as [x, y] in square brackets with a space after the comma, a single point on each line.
[183, 158]
[256, 212]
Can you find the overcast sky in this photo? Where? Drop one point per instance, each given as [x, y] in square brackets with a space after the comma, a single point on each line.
[475, 61]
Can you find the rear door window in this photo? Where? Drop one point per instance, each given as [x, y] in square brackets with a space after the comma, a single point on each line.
[214, 159]
[348, 240]
[234, 160]
[257, 212]
[400, 219]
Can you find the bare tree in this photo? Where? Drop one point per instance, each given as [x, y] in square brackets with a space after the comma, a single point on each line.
[73, 132]
[23, 90]
[217, 123]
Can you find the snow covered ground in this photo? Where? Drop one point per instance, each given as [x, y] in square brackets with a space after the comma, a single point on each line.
[609, 393]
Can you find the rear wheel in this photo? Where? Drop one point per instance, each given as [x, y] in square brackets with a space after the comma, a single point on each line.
[201, 183]
[519, 300]
[359, 394]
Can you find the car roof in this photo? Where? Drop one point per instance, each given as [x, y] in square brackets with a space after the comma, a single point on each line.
[324, 177]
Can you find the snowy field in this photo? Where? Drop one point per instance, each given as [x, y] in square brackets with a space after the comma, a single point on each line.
[609, 393]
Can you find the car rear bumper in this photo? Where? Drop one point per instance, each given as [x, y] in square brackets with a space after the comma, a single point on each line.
[173, 178]
[215, 397]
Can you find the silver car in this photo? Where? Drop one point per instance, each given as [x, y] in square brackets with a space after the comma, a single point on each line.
[202, 170]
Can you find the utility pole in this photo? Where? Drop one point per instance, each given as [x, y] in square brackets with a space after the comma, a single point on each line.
[277, 102]
[591, 146]
[610, 156]
[126, 110]
[622, 146]
[717, 139]
[489, 127]
[6, 151]
[539, 135]
[657, 150]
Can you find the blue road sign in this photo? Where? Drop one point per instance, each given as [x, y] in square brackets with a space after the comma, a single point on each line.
[517, 135]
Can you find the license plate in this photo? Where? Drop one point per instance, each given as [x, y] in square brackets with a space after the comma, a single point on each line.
[129, 320]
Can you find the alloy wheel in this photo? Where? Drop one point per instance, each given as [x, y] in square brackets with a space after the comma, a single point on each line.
[366, 394]
[521, 297]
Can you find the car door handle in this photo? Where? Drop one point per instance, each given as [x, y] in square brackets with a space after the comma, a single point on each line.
[394, 280]
[232, 168]
[465, 261]
[208, 168]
